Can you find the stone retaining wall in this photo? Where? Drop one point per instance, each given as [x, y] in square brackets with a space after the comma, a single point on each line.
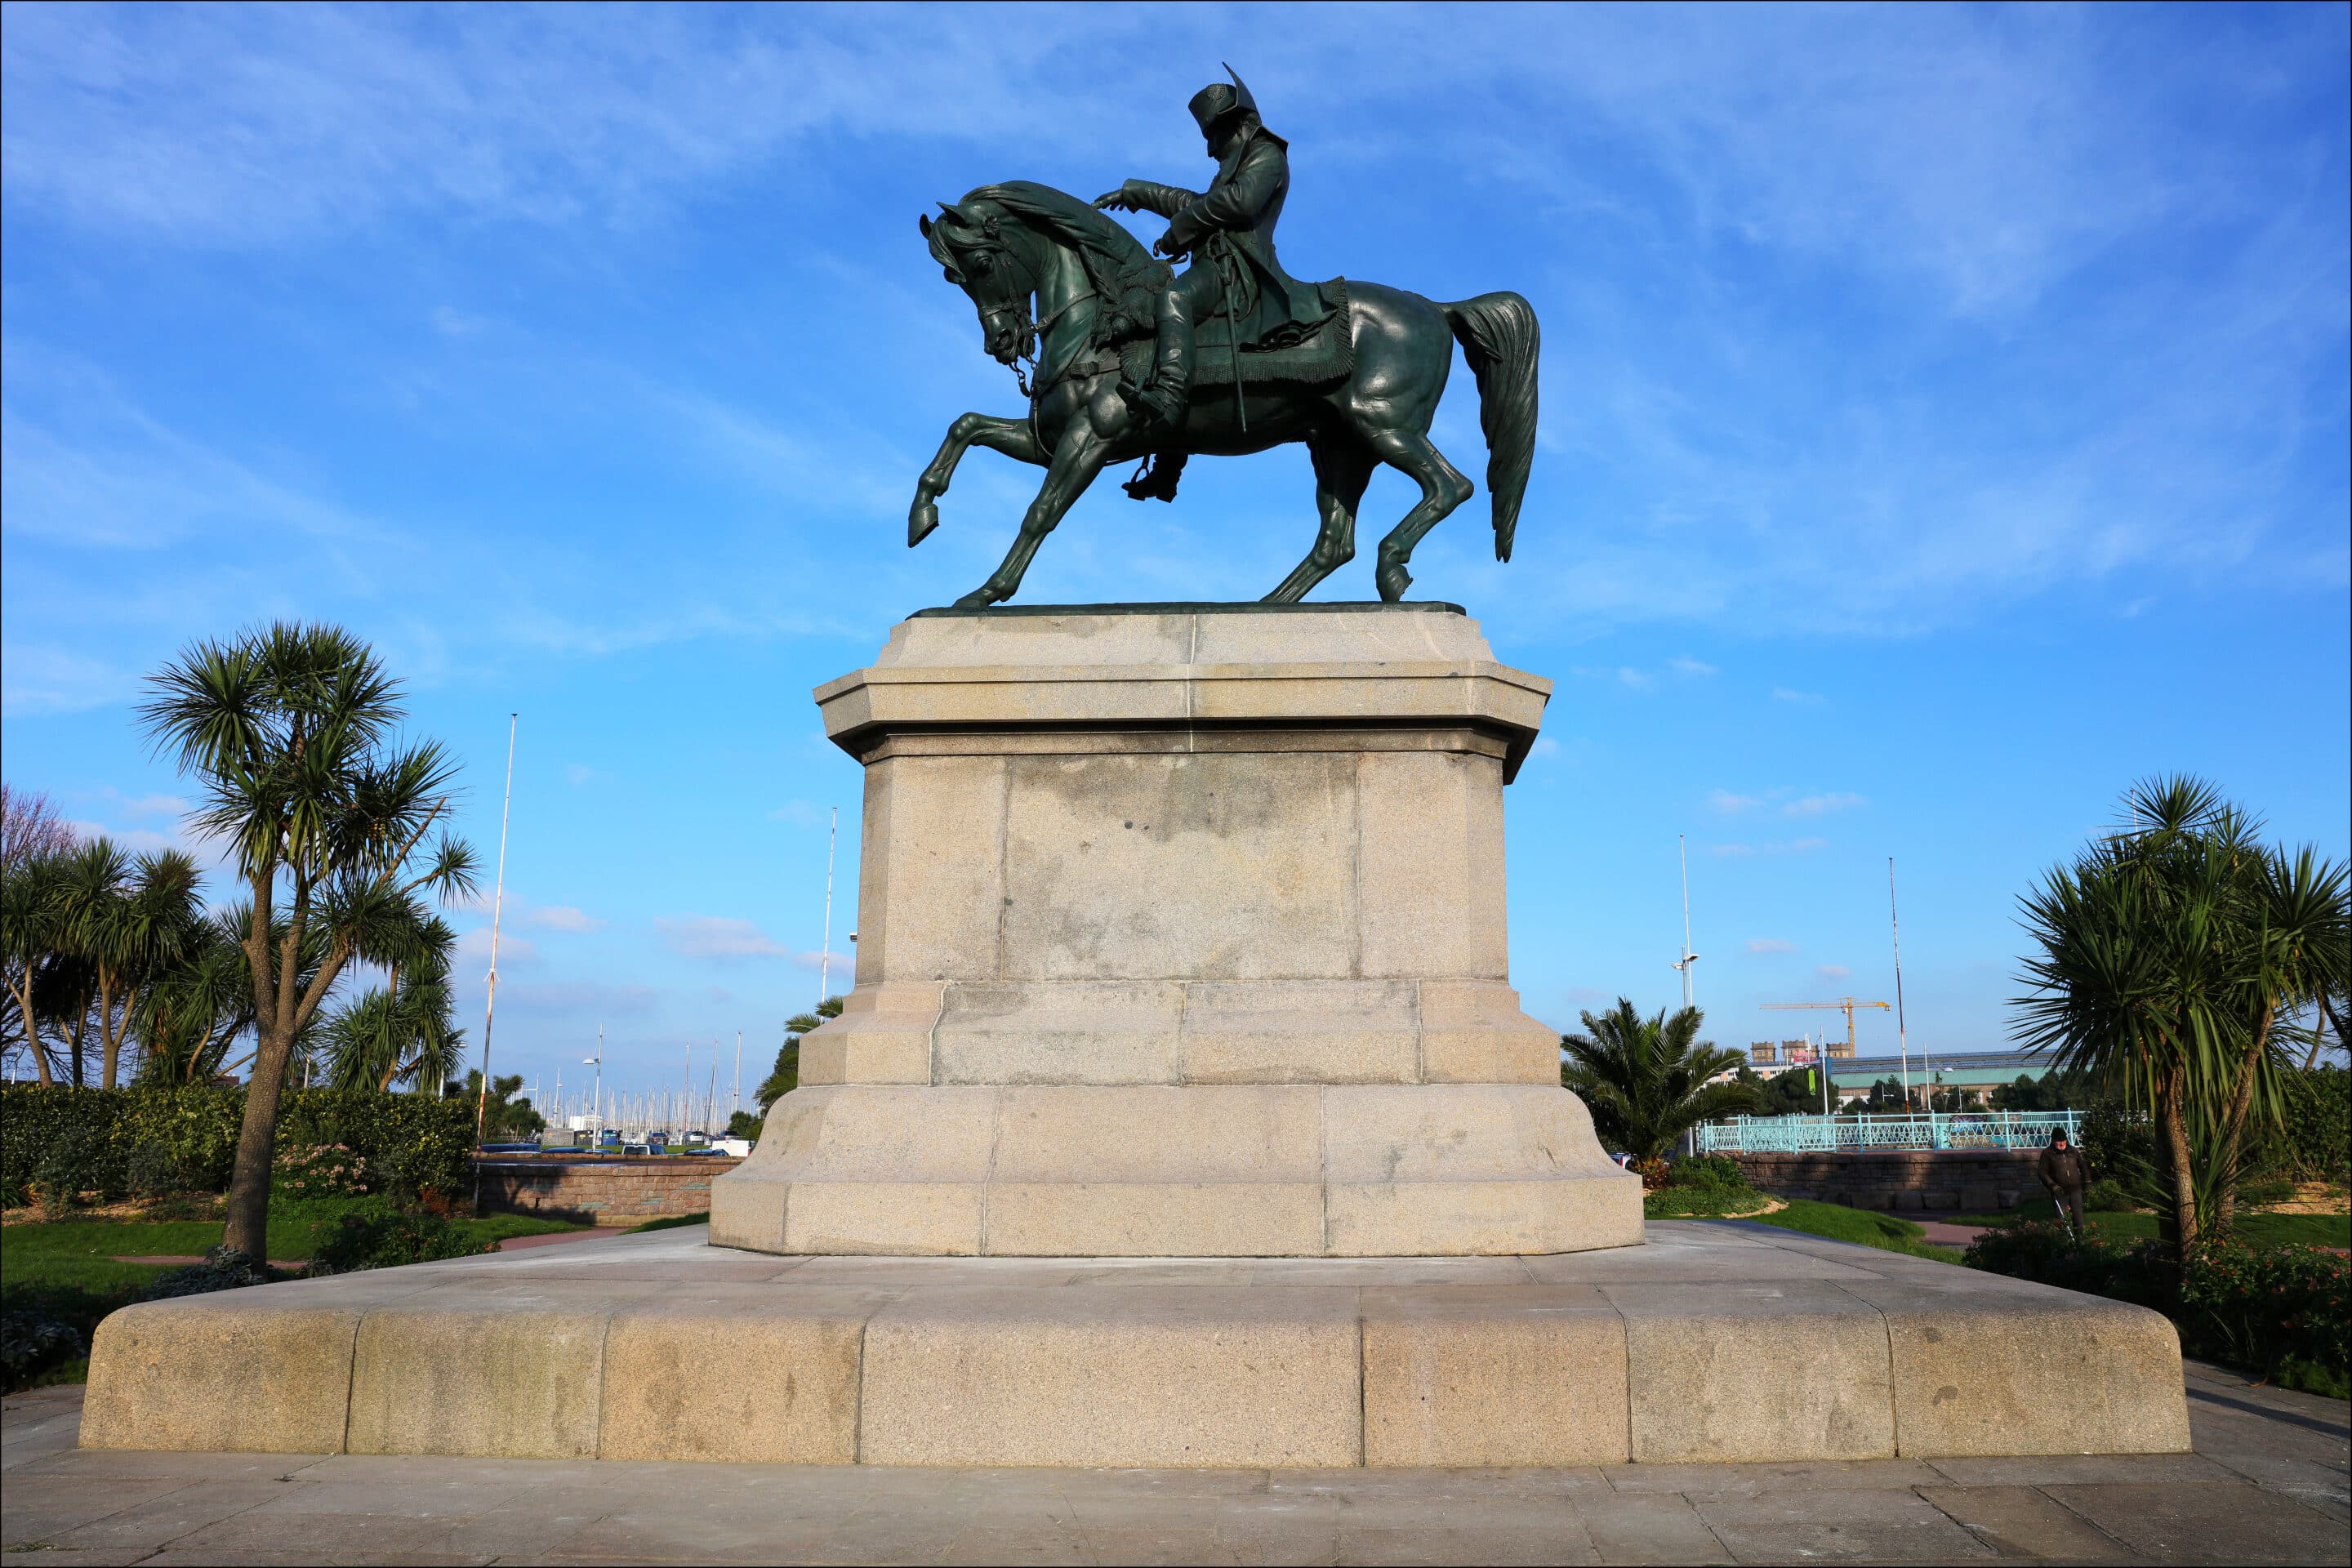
[1970, 1181]
[614, 1190]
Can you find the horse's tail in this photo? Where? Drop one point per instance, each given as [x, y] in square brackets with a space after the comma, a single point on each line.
[1498, 336]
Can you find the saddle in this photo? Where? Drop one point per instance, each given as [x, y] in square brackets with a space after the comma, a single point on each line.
[1324, 354]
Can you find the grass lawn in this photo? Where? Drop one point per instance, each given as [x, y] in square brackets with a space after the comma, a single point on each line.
[1866, 1226]
[1700, 1203]
[671, 1223]
[80, 1252]
[2256, 1230]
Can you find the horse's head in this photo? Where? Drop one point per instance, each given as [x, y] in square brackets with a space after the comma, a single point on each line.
[970, 247]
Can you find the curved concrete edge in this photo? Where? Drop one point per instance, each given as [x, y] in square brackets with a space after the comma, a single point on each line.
[1705, 1346]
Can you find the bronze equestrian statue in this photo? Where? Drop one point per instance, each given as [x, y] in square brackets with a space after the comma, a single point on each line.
[1123, 360]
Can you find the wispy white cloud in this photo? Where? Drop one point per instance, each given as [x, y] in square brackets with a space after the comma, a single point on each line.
[718, 937]
[1822, 804]
[1761, 944]
[475, 944]
[1695, 669]
[1729, 804]
[562, 917]
[1784, 694]
[1834, 972]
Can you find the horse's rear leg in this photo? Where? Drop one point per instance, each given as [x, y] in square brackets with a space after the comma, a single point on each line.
[1011, 437]
[1443, 488]
[1342, 469]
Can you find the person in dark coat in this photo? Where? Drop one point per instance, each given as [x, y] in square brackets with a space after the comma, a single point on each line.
[2065, 1173]
[1228, 231]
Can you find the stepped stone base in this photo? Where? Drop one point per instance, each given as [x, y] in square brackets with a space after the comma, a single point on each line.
[1709, 1342]
[1181, 933]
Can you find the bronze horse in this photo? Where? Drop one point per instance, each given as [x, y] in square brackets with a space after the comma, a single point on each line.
[1092, 281]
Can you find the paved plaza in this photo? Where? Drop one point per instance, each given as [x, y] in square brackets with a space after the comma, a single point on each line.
[2266, 1484]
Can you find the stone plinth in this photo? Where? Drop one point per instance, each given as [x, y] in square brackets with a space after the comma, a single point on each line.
[1181, 933]
[1713, 1342]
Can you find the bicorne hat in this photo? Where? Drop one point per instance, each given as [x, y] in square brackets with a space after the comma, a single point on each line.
[1217, 101]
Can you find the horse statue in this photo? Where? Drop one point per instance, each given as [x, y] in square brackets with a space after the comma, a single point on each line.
[1362, 395]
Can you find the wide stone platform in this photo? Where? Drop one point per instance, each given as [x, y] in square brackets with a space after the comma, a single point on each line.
[1181, 933]
[1711, 1342]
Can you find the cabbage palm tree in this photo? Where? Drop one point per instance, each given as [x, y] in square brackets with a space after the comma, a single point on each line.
[2166, 953]
[30, 939]
[132, 922]
[290, 733]
[401, 1032]
[187, 1019]
[1645, 1080]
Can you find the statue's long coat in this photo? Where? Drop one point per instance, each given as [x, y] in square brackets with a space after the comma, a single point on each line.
[1232, 225]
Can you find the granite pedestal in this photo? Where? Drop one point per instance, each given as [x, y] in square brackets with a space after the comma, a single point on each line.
[1181, 933]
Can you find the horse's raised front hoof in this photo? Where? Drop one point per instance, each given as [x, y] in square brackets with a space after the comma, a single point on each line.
[979, 599]
[921, 518]
[1393, 581]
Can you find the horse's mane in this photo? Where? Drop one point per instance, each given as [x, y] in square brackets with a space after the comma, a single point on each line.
[1124, 275]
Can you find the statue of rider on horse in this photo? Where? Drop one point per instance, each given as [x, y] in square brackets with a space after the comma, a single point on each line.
[1228, 231]
[1127, 360]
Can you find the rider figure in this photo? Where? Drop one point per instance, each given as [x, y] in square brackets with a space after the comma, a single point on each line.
[1228, 231]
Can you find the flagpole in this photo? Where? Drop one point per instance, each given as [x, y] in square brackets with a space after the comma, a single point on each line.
[497, 907]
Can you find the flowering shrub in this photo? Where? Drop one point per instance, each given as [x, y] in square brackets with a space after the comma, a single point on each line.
[2284, 1312]
[1651, 1172]
[322, 1171]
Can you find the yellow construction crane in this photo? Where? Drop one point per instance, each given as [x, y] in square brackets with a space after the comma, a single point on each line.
[1845, 1004]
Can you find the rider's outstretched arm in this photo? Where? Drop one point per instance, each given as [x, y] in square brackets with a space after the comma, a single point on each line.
[1144, 197]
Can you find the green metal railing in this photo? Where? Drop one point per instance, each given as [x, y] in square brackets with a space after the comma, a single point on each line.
[1856, 1134]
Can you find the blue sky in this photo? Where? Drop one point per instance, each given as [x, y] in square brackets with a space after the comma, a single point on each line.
[1944, 424]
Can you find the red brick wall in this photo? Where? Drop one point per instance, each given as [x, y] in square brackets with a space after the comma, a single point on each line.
[1970, 1180]
[614, 1190]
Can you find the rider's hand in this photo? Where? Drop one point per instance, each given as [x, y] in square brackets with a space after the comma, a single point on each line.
[1166, 244]
[1116, 201]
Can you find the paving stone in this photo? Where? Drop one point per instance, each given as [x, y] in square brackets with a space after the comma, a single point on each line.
[42, 1508]
[1852, 1474]
[2195, 1522]
[1648, 1527]
[1878, 1526]
[2046, 1469]
[1009, 1544]
[2022, 1522]
[1466, 1544]
[167, 1519]
[1157, 1546]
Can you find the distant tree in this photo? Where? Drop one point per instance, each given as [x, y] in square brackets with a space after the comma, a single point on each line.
[400, 1033]
[507, 1115]
[786, 1076]
[1795, 1091]
[743, 1124]
[132, 923]
[30, 826]
[2167, 954]
[189, 1018]
[290, 734]
[1645, 1080]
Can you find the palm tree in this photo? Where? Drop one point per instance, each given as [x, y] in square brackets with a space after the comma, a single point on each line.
[289, 732]
[2167, 951]
[188, 1018]
[1645, 1080]
[30, 939]
[403, 1032]
[133, 922]
[786, 1076]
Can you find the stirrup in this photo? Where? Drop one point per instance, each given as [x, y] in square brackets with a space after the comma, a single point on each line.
[1155, 477]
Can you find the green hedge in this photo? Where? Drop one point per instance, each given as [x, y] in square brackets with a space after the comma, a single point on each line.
[111, 1138]
[2283, 1312]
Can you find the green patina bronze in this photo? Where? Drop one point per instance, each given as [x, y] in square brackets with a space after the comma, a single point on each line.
[1124, 360]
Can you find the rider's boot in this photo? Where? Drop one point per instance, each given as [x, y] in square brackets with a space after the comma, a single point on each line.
[1161, 400]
